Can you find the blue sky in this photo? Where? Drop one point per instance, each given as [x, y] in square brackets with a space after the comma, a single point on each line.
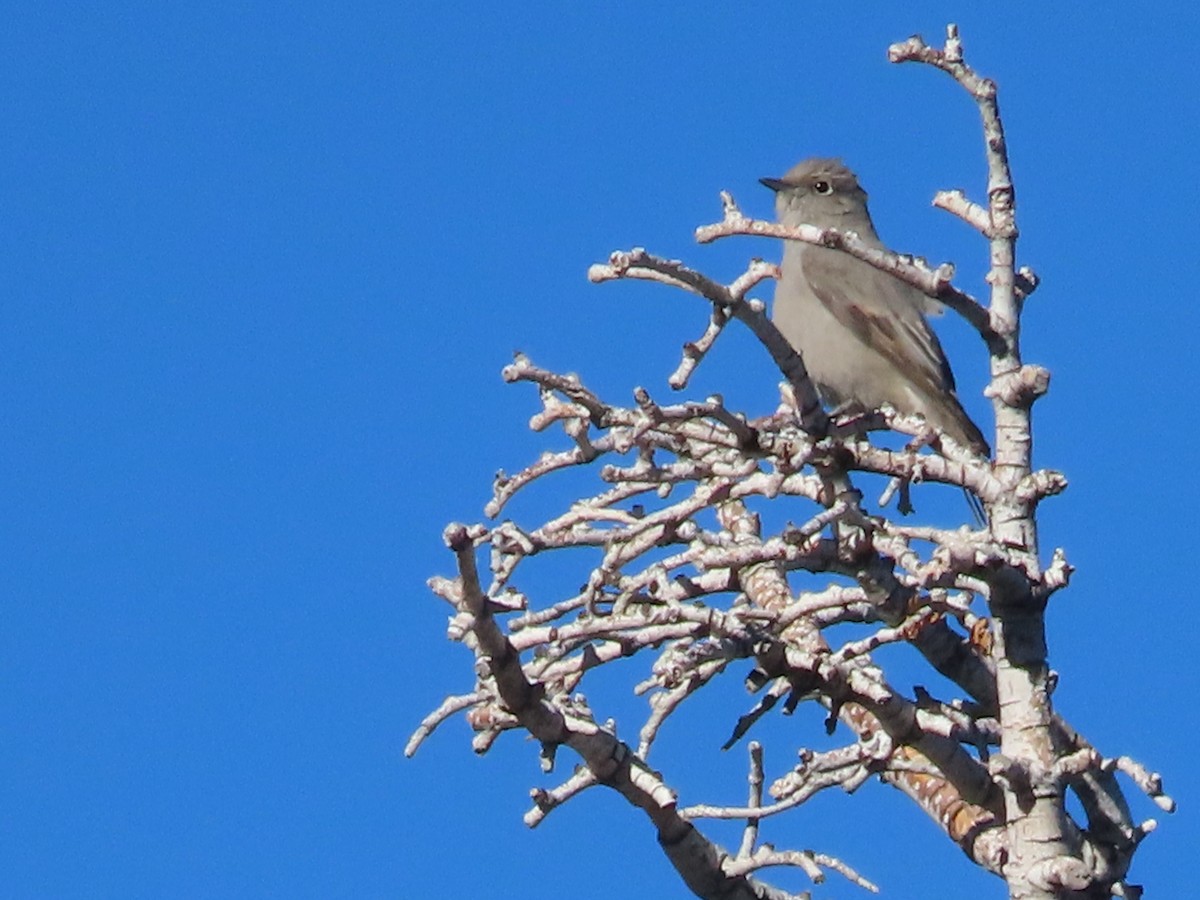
[260, 266]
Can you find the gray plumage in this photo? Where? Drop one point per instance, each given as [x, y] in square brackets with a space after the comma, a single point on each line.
[861, 332]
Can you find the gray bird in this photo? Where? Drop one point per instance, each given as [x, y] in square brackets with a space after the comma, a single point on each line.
[861, 332]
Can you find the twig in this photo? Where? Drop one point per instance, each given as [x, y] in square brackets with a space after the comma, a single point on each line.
[933, 282]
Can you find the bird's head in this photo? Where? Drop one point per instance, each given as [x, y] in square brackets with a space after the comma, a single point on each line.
[820, 192]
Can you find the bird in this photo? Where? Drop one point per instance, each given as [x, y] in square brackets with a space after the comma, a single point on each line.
[862, 333]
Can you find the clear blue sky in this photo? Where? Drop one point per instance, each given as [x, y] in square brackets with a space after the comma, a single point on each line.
[260, 266]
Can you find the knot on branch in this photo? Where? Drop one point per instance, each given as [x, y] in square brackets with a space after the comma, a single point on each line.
[1027, 281]
[1061, 873]
[961, 553]
[1036, 486]
[1058, 573]
[459, 537]
[1020, 388]
[619, 264]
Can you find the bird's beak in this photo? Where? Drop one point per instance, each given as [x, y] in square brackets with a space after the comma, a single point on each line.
[774, 184]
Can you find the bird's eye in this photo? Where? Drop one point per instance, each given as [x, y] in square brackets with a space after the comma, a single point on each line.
[822, 187]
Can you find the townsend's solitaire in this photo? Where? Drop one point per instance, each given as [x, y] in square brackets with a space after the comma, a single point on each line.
[861, 332]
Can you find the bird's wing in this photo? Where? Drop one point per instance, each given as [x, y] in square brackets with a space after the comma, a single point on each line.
[886, 316]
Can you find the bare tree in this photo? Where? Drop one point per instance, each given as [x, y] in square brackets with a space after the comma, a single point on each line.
[688, 574]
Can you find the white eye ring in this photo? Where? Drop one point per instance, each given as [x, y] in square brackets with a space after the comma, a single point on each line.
[822, 187]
